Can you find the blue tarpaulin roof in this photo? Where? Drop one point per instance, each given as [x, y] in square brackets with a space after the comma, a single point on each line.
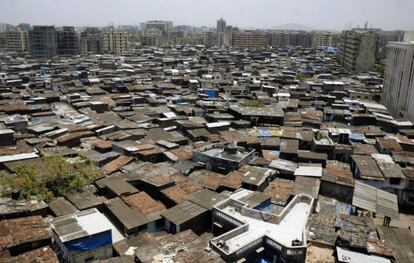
[90, 242]
[211, 92]
[265, 133]
[331, 49]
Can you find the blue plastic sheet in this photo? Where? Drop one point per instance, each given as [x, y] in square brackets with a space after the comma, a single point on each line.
[211, 93]
[90, 242]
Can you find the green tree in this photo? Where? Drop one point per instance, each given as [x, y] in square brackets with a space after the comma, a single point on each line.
[380, 69]
[302, 76]
[253, 103]
[2, 40]
[53, 177]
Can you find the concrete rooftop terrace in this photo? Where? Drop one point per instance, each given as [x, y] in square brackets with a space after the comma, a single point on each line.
[282, 228]
[223, 154]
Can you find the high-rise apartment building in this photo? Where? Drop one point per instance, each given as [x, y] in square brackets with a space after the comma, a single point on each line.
[221, 25]
[389, 36]
[226, 40]
[408, 36]
[163, 26]
[194, 39]
[209, 38]
[24, 26]
[280, 39]
[301, 39]
[398, 90]
[357, 50]
[114, 41]
[321, 39]
[221, 29]
[176, 37]
[384, 37]
[67, 41]
[5, 27]
[43, 41]
[286, 38]
[250, 39]
[17, 40]
[152, 37]
[91, 41]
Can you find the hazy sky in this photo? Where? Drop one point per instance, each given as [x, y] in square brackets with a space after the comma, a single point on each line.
[324, 14]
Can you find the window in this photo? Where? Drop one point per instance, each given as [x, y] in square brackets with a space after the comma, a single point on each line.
[159, 223]
[395, 181]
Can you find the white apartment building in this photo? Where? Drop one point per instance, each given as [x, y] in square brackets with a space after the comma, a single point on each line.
[114, 41]
[321, 39]
[398, 90]
[17, 40]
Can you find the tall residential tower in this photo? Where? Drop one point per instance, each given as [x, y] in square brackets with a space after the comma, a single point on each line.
[358, 49]
[114, 41]
[398, 91]
[67, 40]
[43, 41]
[221, 28]
[17, 40]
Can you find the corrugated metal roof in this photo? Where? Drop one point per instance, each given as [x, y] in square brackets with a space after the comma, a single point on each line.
[375, 200]
[60, 206]
[308, 171]
[84, 223]
[130, 218]
[17, 157]
[365, 196]
[183, 212]
[387, 204]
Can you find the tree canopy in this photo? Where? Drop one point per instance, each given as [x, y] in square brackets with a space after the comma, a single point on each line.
[302, 76]
[55, 176]
[2, 40]
[380, 69]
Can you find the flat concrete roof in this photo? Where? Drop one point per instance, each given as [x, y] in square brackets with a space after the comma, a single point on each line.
[222, 154]
[291, 226]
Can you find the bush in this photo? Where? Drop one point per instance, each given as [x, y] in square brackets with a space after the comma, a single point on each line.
[253, 103]
[380, 68]
[2, 40]
[55, 176]
[302, 76]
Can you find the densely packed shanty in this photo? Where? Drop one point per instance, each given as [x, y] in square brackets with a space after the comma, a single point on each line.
[202, 155]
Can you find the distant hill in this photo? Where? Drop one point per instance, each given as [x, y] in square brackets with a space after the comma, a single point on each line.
[293, 26]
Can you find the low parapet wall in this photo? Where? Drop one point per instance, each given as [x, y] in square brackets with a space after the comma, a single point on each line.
[219, 243]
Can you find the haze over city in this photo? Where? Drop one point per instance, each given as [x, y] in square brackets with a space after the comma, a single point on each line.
[316, 14]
